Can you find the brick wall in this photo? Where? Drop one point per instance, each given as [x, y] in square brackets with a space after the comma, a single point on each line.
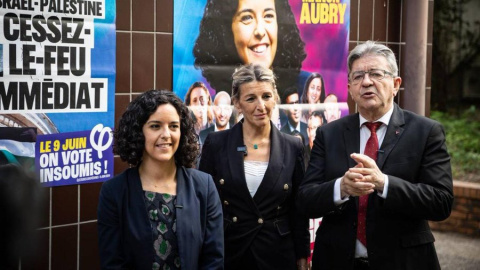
[465, 216]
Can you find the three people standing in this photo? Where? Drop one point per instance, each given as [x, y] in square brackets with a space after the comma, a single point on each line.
[376, 178]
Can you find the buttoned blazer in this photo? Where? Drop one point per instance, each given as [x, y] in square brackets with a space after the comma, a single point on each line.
[268, 224]
[414, 156]
[125, 234]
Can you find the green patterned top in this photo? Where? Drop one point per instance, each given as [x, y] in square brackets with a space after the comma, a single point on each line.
[162, 216]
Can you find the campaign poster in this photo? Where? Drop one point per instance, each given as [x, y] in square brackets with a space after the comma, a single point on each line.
[304, 42]
[57, 88]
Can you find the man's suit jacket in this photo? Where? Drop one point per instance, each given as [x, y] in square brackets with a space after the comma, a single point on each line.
[303, 131]
[203, 134]
[125, 236]
[414, 156]
[266, 225]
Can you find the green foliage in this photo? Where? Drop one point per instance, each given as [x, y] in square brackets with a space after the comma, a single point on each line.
[456, 36]
[463, 141]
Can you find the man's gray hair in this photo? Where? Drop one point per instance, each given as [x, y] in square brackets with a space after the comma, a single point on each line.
[372, 48]
[249, 73]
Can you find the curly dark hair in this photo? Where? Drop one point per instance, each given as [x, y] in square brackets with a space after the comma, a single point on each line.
[216, 55]
[129, 141]
[304, 97]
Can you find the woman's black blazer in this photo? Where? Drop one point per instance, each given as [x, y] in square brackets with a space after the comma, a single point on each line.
[267, 225]
[125, 236]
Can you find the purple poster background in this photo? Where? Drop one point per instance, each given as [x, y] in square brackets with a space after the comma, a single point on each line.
[324, 28]
[326, 46]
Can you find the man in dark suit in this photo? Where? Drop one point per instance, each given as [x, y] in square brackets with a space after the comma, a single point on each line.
[222, 110]
[376, 190]
[294, 113]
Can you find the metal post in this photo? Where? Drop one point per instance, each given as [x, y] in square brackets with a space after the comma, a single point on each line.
[416, 20]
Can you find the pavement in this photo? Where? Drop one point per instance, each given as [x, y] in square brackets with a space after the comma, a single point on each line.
[457, 251]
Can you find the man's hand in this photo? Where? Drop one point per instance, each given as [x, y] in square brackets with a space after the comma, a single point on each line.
[369, 170]
[352, 183]
[302, 264]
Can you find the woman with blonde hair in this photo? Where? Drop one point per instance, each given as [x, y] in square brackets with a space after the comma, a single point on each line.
[257, 170]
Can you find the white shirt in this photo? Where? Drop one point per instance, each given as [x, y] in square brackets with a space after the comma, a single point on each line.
[360, 249]
[254, 172]
[293, 128]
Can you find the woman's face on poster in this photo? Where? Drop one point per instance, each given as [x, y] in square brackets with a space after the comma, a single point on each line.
[199, 102]
[255, 29]
[314, 91]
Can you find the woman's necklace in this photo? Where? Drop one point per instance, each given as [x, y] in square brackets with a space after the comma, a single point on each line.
[255, 145]
[263, 140]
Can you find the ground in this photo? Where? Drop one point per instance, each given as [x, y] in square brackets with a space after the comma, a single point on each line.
[456, 251]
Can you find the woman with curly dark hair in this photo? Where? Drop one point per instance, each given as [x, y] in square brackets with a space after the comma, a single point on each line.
[236, 32]
[160, 213]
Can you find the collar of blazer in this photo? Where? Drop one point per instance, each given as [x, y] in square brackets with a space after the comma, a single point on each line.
[351, 135]
[394, 132]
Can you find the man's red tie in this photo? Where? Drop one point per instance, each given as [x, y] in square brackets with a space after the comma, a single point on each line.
[371, 150]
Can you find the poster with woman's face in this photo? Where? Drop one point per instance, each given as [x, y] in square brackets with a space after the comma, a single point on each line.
[295, 38]
[305, 43]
